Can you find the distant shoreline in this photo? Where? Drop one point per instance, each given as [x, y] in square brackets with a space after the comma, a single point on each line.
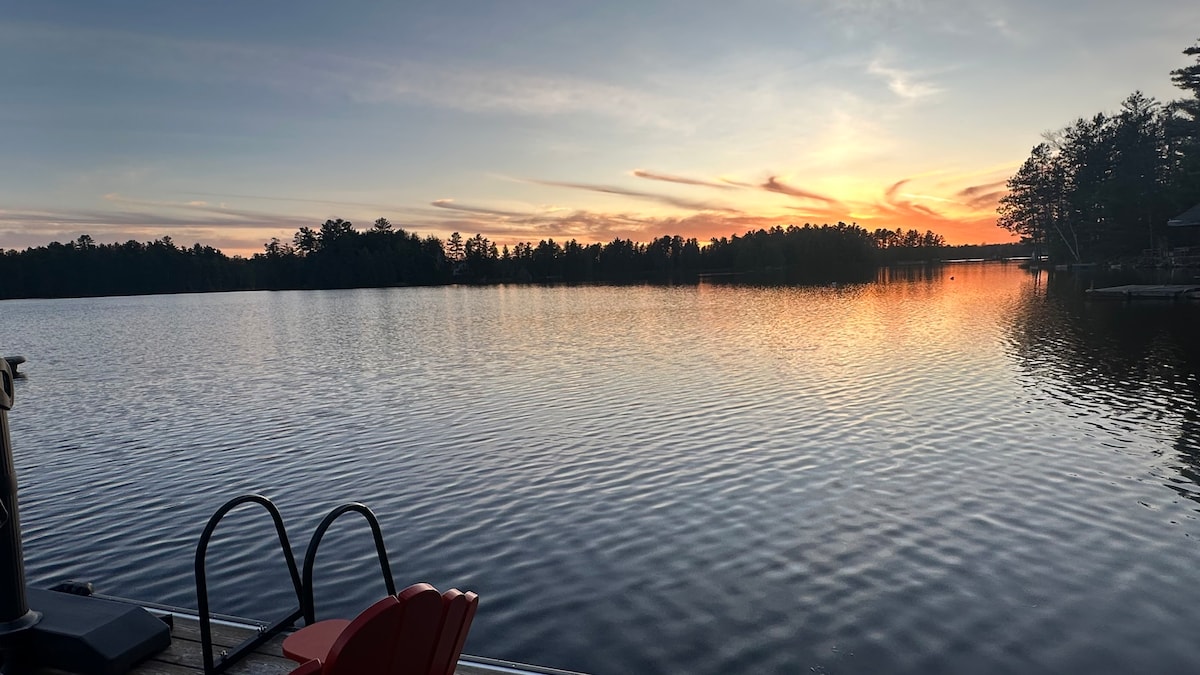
[779, 277]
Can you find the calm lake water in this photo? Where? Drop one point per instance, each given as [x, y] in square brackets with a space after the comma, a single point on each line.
[963, 470]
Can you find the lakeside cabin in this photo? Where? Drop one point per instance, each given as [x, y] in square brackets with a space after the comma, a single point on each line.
[1189, 218]
[1183, 239]
[1180, 247]
[1183, 250]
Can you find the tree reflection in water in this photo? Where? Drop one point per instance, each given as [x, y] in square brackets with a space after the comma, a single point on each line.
[1140, 359]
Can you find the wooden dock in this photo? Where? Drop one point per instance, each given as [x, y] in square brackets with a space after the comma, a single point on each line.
[184, 656]
[1155, 291]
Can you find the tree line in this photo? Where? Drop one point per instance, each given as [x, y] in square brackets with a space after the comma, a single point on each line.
[1104, 187]
[337, 255]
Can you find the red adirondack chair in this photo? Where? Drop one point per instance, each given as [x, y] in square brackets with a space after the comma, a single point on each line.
[415, 632]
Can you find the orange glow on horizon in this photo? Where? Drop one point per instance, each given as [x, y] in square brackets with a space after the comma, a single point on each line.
[965, 227]
[959, 207]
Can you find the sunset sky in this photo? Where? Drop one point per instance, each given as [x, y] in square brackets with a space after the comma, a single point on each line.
[229, 123]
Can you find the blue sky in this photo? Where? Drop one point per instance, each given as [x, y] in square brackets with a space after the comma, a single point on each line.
[232, 122]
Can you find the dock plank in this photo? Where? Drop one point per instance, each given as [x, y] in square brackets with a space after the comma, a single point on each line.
[1160, 291]
[185, 657]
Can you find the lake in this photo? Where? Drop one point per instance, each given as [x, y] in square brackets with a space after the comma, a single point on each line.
[964, 469]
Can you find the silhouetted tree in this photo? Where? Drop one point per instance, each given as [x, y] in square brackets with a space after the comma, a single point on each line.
[1183, 133]
[306, 241]
[455, 249]
[1103, 187]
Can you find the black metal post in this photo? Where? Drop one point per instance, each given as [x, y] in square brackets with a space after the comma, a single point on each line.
[15, 614]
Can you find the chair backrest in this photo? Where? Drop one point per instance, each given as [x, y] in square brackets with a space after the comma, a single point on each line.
[416, 638]
[415, 632]
[458, 610]
[366, 645]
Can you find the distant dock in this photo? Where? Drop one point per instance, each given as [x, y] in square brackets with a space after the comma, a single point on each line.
[1150, 291]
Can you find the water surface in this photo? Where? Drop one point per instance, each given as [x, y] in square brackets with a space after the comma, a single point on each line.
[961, 470]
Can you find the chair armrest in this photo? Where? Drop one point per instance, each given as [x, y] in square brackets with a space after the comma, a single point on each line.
[313, 641]
[309, 668]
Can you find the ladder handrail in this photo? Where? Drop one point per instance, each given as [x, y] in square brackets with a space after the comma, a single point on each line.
[310, 555]
[228, 659]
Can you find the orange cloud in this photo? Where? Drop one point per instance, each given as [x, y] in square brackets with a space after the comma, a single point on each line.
[985, 196]
[663, 199]
[958, 223]
[773, 184]
[451, 205]
[651, 175]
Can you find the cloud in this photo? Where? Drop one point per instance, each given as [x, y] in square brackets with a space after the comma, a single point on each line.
[590, 227]
[897, 209]
[479, 88]
[1002, 28]
[902, 83]
[221, 212]
[998, 173]
[660, 198]
[232, 242]
[101, 219]
[894, 204]
[451, 205]
[773, 184]
[138, 219]
[328, 202]
[898, 206]
[984, 196]
[652, 175]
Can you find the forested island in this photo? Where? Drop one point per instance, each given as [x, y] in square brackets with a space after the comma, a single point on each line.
[337, 255]
[1104, 188]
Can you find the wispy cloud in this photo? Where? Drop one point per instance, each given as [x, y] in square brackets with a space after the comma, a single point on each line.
[480, 88]
[598, 227]
[773, 184]
[1004, 29]
[984, 196]
[998, 173]
[451, 205]
[901, 208]
[190, 221]
[654, 197]
[653, 175]
[297, 200]
[22, 220]
[902, 83]
[215, 213]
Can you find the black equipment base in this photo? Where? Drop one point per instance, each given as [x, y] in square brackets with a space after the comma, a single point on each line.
[89, 636]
